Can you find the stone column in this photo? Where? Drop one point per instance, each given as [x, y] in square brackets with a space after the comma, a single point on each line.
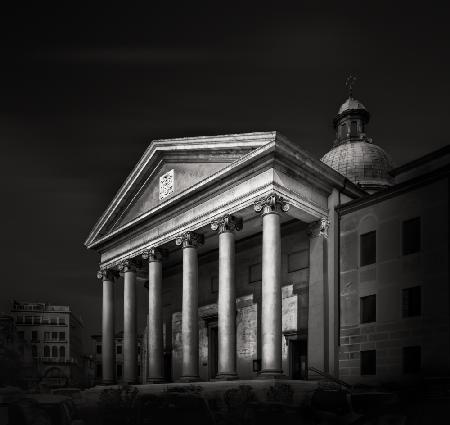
[155, 318]
[271, 333]
[129, 322]
[317, 298]
[189, 319]
[227, 298]
[108, 349]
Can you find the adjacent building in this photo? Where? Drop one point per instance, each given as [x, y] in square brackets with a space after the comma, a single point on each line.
[54, 335]
[262, 261]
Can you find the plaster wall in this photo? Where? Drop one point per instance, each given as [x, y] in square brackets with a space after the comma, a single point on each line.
[386, 278]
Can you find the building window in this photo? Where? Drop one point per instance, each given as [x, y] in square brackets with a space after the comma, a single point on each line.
[21, 335]
[214, 285]
[62, 320]
[53, 320]
[98, 371]
[45, 320]
[46, 351]
[55, 335]
[368, 362]
[62, 351]
[354, 128]
[62, 336]
[411, 236]
[343, 130]
[99, 349]
[34, 352]
[368, 248]
[255, 273]
[368, 309]
[28, 320]
[34, 335]
[119, 349]
[46, 336]
[412, 359]
[19, 319]
[298, 260]
[411, 302]
[54, 352]
[119, 371]
[37, 320]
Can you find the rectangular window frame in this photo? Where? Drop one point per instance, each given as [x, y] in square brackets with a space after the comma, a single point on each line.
[364, 258]
[407, 236]
[363, 313]
[417, 312]
[370, 369]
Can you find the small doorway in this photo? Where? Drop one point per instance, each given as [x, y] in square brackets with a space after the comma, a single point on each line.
[213, 350]
[297, 359]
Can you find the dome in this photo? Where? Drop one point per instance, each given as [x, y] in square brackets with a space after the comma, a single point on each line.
[351, 104]
[361, 162]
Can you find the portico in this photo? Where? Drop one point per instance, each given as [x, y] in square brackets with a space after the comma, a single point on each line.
[196, 211]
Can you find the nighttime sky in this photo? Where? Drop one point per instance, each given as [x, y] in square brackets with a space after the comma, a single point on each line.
[82, 93]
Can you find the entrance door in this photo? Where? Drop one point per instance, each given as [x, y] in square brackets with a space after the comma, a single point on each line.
[297, 353]
[213, 350]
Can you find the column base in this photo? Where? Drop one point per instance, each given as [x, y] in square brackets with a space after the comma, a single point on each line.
[271, 374]
[159, 380]
[226, 377]
[186, 379]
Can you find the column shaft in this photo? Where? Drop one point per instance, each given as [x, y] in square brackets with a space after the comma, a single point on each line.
[271, 296]
[108, 331]
[155, 323]
[129, 327]
[189, 325]
[227, 307]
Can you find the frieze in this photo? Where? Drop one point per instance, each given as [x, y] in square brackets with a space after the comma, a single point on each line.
[238, 202]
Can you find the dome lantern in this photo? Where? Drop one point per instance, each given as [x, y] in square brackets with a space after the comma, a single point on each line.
[354, 155]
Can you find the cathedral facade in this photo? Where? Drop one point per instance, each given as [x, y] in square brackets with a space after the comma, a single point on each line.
[262, 261]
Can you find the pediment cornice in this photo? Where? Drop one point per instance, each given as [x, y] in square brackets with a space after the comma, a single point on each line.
[244, 153]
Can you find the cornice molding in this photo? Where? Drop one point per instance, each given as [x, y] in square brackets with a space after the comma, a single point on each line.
[259, 144]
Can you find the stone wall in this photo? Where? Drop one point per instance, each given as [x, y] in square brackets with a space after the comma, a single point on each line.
[386, 278]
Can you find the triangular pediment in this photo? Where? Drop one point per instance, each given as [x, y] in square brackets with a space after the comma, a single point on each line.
[169, 168]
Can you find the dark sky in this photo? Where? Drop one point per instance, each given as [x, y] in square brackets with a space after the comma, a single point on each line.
[83, 92]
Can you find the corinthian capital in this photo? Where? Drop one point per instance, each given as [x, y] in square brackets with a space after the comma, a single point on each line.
[128, 265]
[227, 223]
[106, 274]
[319, 228]
[271, 203]
[154, 254]
[190, 239]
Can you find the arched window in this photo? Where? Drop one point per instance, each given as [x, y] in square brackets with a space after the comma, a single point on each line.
[54, 351]
[46, 351]
[62, 351]
[343, 130]
[354, 128]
